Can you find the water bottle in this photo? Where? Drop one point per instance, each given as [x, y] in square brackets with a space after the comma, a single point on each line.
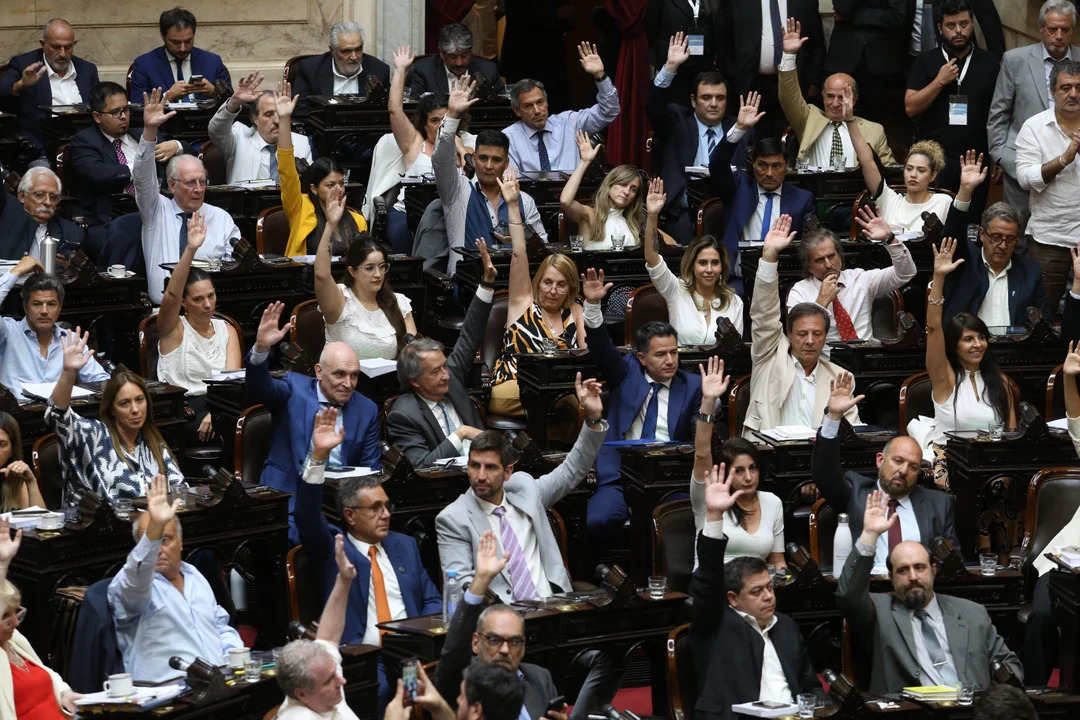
[48, 254]
[841, 544]
[451, 596]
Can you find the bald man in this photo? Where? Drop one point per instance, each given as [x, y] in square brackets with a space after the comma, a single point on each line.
[50, 75]
[924, 514]
[294, 401]
[823, 135]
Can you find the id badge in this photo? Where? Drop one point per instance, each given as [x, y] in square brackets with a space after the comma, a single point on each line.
[958, 109]
[695, 44]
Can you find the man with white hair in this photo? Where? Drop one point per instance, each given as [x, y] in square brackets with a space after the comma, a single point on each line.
[31, 215]
[164, 219]
[343, 70]
[435, 73]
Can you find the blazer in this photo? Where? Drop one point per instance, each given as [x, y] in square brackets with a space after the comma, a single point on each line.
[315, 76]
[419, 594]
[664, 18]
[880, 30]
[95, 641]
[739, 49]
[846, 492]
[412, 426]
[27, 104]
[986, 15]
[725, 677]
[156, 69]
[7, 693]
[428, 75]
[881, 630]
[462, 522]
[1020, 93]
[20, 227]
[1070, 319]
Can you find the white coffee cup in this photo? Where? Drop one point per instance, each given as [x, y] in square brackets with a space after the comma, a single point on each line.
[238, 656]
[117, 271]
[119, 685]
[52, 521]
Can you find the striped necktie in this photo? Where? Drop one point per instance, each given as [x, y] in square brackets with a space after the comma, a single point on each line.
[523, 586]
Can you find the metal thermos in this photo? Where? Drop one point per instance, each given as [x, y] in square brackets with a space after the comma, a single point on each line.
[48, 254]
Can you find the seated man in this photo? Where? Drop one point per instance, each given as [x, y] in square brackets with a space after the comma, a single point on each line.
[164, 219]
[172, 66]
[913, 636]
[435, 418]
[744, 651]
[1042, 633]
[163, 606]
[487, 692]
[790, 382]
[455, 60]
[293, 402]
[49, 76]
[924, 513]
[542, 142]
[30, 349]
[251, 151]
[343, 70]
[638, 385]
[29, 217]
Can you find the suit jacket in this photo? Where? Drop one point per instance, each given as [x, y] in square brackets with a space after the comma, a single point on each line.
[462, 522]
[1020, 93]
[739, 49]
[429, 75]
[156, 69]
[95, 641]
[986, 15]
[418, 593]
[846, 492]
[410, 423]
[882, 630]
[664, 18]
[1070, 319]
[878, 29]
[20, 227]
[727, 678]
[315, 76]
[27, 104]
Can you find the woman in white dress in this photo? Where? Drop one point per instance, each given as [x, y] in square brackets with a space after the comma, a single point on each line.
[618, 202]
[700, 296]
[366, 314]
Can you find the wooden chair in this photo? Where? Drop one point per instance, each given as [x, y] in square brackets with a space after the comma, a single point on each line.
[271, 713]
[558, 528]
[738, 402]
[292, 67]
[822, 528]
[710, 218]
[308, 329]
[148, 342]
[45, 458]
[681, 678]
[1052, 498]
[883, 314]
[673, 543]
[61, 160]
[916, 398]
[272, 230]
[305, 602]
[251, 444]
[645, 304]
[1055, 393]
[217, 171]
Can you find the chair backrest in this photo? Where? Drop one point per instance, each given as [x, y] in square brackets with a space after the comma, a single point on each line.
[492, 346]
[883, 314]
[822, 528]
[710, 218]
[148, 342]
[1052, 497]
[251, 443]
[50, 476]
[292, 67]
[738, 403]
[681, 677]
[673, 543]
[127, 82]
[217, 171]
[558, 527]
[308, 329]
[645, 304]
[1055, 393]
[272, 230]
[916, 398]
[305, 603]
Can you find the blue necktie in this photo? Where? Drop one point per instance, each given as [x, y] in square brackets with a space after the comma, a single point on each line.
[273, 164]
[711, 135]
[648, 427]
[179, 71]
[778, 29]
[766, 217]
[541, 150]
[184, 217]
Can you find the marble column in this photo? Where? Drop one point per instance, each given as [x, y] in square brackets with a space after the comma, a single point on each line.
[398, 22]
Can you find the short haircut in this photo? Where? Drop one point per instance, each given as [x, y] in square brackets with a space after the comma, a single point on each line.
[345, 27]
[27, 181]
[409, 362]
[1005, 702]
[1001, 211]
[350, 487]
[175, 520]
[498, 691]
[653, 329]
[766, 147]
[494, 440]
[40, 282]
[804, 309]
[295, 663]
[174, 163]
[523, 86]
[176, 18]
[952, 7]
[708, 77]
[1065, 7]
[814, 238]
[491, 610]
[253, 106]
[1066, 66]
[55, 21]
[493, 138]
[736, 570]
[454, 38]
[100, 94]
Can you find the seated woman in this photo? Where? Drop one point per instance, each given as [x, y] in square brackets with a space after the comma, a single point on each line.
[618, 202]
[304, 198]
[537, 310]
[28, 688]
[700, 296]
[195, 345]
[117, 455]
[366, 314]
[18, 484]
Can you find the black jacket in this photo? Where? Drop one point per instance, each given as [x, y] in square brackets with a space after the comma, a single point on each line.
[20, 226]
[27, 104]
[986, 15]
[738, 52]
[429, 75]
[880, 29]
[315, 76]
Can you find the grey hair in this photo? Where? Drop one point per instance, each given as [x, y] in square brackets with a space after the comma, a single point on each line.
[454, 38]
[27, 180]
[814, 238]
[491, 610]
[523, 86]
[345, 27]
[1065, 7]
[294, 665]
[135, 528]
[173, 164]
[1001, 211]
[350, 487]
[54, 21]
[1063, 67]
[410, 362]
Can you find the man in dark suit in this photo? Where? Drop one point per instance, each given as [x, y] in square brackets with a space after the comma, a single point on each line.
[868, 42]
[435, 418]
[924, 514]
[343, 70]
[172, 66]
[744, 651]
[913, 636]
[31, 215]
[293, 402]
[455, 59]
[49, 76]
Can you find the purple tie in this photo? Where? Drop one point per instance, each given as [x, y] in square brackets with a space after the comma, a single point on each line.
[519, 569]
[122, 159]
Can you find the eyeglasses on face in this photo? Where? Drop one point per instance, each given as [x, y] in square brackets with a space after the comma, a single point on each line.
[495, 641]
[999, 239]
[118, 112]
[18, 615]
[192, 184]
[41, 196]
[370, 268]
[375, 509]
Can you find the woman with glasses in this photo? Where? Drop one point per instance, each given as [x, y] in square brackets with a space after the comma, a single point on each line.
[18, 484]
[365, 313]
[28, 688]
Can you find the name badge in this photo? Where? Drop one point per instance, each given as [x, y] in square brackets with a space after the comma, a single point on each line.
[958, 109]
[695, 44]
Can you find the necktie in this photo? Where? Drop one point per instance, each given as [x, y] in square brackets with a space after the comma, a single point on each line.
[179, 71]
[446, 417]
[844, 326]
[711, 135]
[648, 427]
[122, 159]
[327, 403]
[273, 163]
[927, 27]
[519, 570]
[934, 650]
[896, 535]
[766, 216]
[184, 217]
[541, 151]
[777, 31]
[837, 150]
[382, 605]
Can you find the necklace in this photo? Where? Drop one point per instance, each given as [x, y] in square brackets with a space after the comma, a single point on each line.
[16, 659]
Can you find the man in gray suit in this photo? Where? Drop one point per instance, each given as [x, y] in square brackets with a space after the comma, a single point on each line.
[1023, 89]
[913, 636]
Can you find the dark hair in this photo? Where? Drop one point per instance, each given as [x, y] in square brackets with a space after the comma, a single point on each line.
[455, 37]
[1005, 702]
[811, 240]
[499, 692]
[736, 570]
[652, 329]
[385, 298]
[888, 556]
[767, 146]
[521, 87]
[1063, 67]
[708, 77]
[494, 440]
[952, 7]
[150, 433]
[428, 104]
[100, 94]
[195, 275]
[347, 229]
[40, 282]
[996, 391]
[807, 308]
[493, 138]
[350, 487]
[178, 17]
[731, 449]
[10, 492]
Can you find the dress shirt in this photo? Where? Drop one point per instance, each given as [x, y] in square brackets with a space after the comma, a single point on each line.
[1048, 65]
[937, 623]
[436, 408]
[770, 36]
[702, 157]
[774, 685]
[346, 85]
[129, 145]
[161, 224]
[662, 432]
[390, 585]
[155, 621]
[522, 526]
[244, 149]
[39, 236]
[994, 310]
[1054, 220]
[799, 406]
[65, 91]
[293, 709]
[451, 78]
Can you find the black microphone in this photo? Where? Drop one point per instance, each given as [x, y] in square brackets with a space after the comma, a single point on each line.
[106, 364]
[178, 663]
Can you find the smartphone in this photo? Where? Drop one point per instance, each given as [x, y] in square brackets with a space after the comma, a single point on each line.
[556, 703]
[408, 681]
[195, 79]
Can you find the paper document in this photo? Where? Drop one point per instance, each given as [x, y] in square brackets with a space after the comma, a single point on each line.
[45, 391]
[696, 170]
[254, 183]
[348, 471]
[143, 696]
[310, 259]
[374, 367]
[27, 519]
[228, 375]
[790, 432]
[765, 712]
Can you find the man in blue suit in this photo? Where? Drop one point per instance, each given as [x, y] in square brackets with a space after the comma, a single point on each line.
[293, 402]
[753, 200]
[171, 66]
[49, 76]
[650, 398]
[684, 135]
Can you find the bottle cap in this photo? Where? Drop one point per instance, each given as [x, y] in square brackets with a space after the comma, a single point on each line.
[451, 573]
[842, 517]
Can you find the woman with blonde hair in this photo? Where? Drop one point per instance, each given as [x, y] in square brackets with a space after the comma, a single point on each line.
[618, 202]
[18, 484]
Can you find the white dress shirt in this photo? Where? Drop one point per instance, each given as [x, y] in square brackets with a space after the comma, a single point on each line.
[128, 144]
[390, 585]
[65, 91]
[293, 709]
[994, 310]
[752, 232]
[683, 313]
[522, 525]
[437, 408]
[937, 623]
[820, 154]
[346, 85]
[799, 406]
[1054, 220]
[770, 36]
[909, 528]
[245, 151]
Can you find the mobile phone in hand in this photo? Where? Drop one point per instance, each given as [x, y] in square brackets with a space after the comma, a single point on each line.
[556, 704]
[409, 682]
[195, 79]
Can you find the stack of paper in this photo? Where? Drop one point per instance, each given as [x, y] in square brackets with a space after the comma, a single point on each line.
[27, 518]
[1070, 555]
[143, 696]
[228, 375]
[790, 432]
[348, 471]
[374, 367]
[44, 391]
[931, 693]
[760, 709]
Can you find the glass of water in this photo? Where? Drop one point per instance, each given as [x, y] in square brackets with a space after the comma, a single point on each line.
[548, 345]
[838, 164]
[807, 702]
[657, 587]
[252, 670]
[965, 695]
[802, 165]
[577, 243]
[997, 430]
[617, 241]
[122, 508]
[988, 564]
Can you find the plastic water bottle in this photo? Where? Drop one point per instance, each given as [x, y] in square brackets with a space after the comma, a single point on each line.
[451, 596]
[841, 545]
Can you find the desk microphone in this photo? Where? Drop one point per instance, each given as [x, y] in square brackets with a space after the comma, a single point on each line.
[198, 667]
[106, 364]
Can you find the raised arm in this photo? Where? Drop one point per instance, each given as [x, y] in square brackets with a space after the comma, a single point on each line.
[144, 167]
[131, 591]
[220, 126]
[655, 202]
[853, 588]
[707, 585]
[75, 357]
[9, 547]
[285, 105]
[521, 292]
[405, 134]
[941, 374]
[723, 180]
[331, 301]
[169, 313]
[972, 174]
[606, 109]
[332, 620]
[863, 151]
[766, 327]
[714, 383]
[574, 210]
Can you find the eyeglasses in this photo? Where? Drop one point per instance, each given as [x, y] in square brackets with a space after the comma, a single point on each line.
[192, 184]
[19, 616]
[42, 195]
[375, 509]
[371, 267]
[997, 239]
[118, 112]
[495, 641]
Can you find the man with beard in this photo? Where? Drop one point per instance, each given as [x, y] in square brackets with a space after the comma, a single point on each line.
[913, 636]
[344, 69]
[183, 71]
[923, 514]
[950, 89]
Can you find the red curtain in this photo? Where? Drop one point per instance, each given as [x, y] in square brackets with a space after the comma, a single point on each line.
[439, 13]
[626, 136]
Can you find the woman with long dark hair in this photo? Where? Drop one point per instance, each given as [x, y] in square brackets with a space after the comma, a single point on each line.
[18, 484]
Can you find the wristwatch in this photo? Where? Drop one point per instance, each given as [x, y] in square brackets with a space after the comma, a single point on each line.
[705, 417]
[597, 423]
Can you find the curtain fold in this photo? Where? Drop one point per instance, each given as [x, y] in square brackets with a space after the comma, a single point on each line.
[626, 136]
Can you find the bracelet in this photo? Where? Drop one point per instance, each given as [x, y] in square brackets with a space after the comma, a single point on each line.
[1063, 163]
[314, 463]
[938, 303]
[514, 222]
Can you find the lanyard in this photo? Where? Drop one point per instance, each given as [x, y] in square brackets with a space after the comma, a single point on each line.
[695, 6]
[963, 72]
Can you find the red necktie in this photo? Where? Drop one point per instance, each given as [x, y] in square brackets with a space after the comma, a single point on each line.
[844, 326]
[895, 533]
[121, 158]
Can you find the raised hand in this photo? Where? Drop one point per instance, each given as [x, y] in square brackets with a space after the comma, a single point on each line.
[840, 397]
[1071, 366]
[346, 570]
[678, 51]
[9, 546]
[159, 508]
[508, 185]
[284, 103]
[748, 111]
[74, 347]
[948, 73]
[874, 520]
[269, 334]
[585, 147]
[490, 272]
[196, 233]
[1070, 152]
[780, 235]
[154, 114]
[488, 561]
[26, 265]
[718, 496]
[714, 383]
[324, 435]
[335, 206]
[873, 225]
[32, 73]
[593, 287]
[972, 171]
[247, 90]
[943, 257]
[793, 40]
[590, 60]
[830, 288]
[460, 91]
[656, 200]
[588, 395]
[403, 57]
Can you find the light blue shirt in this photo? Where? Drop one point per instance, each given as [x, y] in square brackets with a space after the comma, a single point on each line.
[20, 355]
[335, 459]
[154, 621]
